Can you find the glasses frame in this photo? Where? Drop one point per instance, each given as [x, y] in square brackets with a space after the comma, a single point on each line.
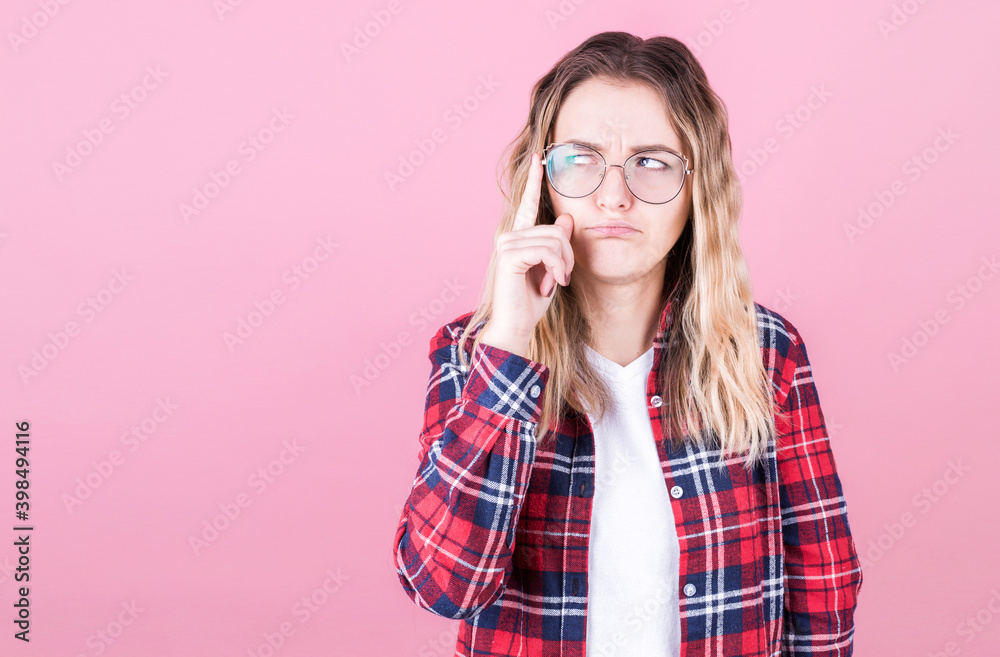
[545, 160]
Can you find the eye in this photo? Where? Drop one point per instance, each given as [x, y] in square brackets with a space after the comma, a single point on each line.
[651, 163]
[580, 159]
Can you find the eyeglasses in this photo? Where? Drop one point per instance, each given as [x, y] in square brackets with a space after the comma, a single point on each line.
[575, 171]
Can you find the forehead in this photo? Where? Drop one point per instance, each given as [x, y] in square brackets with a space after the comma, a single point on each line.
[614, 116]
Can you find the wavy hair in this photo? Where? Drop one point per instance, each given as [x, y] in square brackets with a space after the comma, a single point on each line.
[712, 370]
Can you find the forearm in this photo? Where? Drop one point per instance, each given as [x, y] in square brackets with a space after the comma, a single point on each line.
[822, 570]
[455, 539]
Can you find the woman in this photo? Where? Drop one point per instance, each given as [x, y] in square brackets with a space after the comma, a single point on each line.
[623, 453]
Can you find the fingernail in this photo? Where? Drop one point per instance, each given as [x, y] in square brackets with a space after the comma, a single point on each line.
[552, 291]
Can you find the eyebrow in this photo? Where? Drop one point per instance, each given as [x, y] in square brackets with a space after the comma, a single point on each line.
[637, 149]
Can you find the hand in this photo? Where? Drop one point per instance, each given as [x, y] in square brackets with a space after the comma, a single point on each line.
[530, 259]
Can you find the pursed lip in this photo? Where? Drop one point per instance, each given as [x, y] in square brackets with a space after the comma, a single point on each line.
[616, 224]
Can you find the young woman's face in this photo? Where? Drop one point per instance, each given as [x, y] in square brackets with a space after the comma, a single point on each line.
[618, 120]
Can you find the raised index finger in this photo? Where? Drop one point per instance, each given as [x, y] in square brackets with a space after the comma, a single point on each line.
[527, 211]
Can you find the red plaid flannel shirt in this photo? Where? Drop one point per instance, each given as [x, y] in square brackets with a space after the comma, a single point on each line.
[495, 529]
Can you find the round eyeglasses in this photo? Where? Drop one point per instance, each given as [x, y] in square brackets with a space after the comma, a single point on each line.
[575, 171]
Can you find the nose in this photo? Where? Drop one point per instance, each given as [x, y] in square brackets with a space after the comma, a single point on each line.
[620, 166]
[616, 188]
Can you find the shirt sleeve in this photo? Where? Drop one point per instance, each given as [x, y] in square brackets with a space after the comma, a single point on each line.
[822, 570]
[455, 538]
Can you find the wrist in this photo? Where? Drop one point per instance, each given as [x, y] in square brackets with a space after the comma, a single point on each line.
[507, 340]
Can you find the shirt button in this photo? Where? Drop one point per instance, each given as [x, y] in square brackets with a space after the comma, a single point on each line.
[656, 401]
[689, 589]
[676, 492]
[535, 391]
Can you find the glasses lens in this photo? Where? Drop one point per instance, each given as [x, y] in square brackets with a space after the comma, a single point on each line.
[655, 176]
[652, 176]
[574, 170]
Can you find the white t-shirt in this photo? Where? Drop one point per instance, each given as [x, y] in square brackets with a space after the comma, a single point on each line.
[634, 563]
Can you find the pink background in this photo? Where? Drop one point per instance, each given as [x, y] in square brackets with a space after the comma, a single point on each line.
[916, 442]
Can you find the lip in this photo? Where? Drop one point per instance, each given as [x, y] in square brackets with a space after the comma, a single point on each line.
[614, 228]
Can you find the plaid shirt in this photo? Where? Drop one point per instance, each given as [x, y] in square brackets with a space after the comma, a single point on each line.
[495, 529]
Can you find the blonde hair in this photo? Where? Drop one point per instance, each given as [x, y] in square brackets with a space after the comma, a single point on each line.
[712, 370]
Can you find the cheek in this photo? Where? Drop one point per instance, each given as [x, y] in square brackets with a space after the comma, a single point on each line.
[670, 225]
[556, 202]
[572, 206]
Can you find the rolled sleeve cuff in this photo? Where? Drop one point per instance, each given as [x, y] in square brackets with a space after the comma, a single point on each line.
[507, 383]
